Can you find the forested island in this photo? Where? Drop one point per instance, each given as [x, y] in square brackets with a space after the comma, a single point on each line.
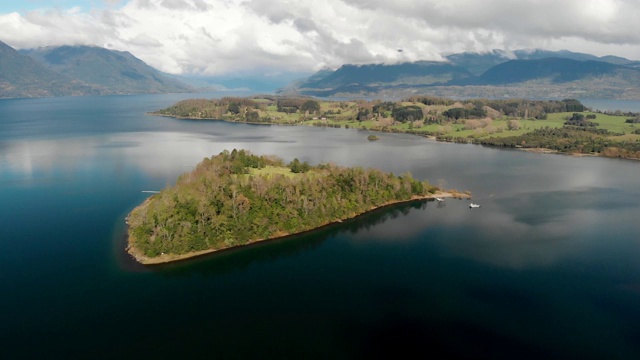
[564, 126]
[237, 198]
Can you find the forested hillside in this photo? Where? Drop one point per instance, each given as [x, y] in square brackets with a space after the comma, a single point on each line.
[236, 198]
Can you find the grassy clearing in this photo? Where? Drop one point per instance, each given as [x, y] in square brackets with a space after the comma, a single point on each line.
[497, 127]
[612, 123]
[270, 171]
[344, 115]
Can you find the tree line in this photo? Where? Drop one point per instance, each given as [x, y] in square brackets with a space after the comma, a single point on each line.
[250, 110]
[571, 139]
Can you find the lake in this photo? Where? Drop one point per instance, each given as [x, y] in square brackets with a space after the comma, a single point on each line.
[546, 268]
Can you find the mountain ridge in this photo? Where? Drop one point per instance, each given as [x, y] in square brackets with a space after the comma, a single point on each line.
[78, 70]
[520, 74]
[557, 70]
[22, 76]
[113, 71]
[89, 70]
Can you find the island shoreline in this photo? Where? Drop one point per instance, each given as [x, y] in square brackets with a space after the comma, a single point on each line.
[171, 258]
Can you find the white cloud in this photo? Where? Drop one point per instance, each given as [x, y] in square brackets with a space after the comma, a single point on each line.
[235, 36]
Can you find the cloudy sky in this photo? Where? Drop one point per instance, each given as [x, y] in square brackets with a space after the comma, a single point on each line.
[217, 37]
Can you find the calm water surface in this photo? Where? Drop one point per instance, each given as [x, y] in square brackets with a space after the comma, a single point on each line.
[546, 268]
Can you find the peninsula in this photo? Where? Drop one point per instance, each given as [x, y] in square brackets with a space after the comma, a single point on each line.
[562, 126]
[237, 198]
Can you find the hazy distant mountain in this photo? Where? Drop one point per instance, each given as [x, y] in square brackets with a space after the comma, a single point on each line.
[553, 70]
[113, 72]
[407, 73]
[368, 77]
[536, 73]
[292, 86]
[253, 82]
[620, 61]
[478, 63]
[21, 76]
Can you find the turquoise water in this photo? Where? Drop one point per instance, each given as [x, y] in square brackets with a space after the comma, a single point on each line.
[546, 268]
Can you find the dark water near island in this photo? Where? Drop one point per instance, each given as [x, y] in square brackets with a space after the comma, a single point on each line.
[547, 267]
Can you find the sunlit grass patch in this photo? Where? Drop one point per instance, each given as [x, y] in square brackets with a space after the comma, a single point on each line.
[273, 170]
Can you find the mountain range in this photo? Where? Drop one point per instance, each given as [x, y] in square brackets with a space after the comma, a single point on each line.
[79, 70]
[478, 63]
[537, 73]
[86, 70]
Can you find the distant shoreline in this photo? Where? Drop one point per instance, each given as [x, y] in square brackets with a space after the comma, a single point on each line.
[167, 258]
[540, 150]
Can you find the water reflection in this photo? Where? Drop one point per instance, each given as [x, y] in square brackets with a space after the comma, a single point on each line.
[239, 259]
[556, 204]
[549, 223]
[156, 154]
[540, 229]
[554, 246]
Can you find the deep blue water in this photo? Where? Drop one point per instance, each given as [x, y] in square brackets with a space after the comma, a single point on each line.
[546, 268]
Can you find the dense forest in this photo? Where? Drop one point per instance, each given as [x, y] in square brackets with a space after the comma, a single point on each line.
[236, 198]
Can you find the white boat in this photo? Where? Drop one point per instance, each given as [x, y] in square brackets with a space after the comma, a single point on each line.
[472, 205]
[439, 199]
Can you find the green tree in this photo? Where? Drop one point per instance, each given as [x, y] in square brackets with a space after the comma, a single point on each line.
[234, 108]
[310, 105]
[252, 116]
[404, 113]
[299, 167]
